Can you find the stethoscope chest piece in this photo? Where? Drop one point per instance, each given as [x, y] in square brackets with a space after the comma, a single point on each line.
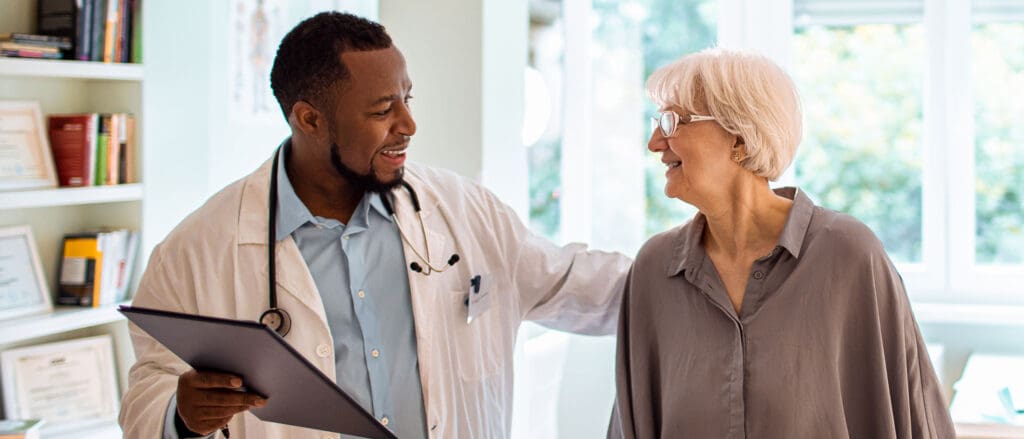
[278, 320]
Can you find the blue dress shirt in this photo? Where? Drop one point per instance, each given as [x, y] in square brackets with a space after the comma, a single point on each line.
[359, 270]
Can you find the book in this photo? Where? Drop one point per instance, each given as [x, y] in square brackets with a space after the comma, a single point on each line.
[136, 31]
[111, 31]
[83, 38]
[127, 158]
[114, 149]
[59, 18]
[11, 45]
[99, 25]
[73, 142]
[20, 429]
[97, 267]
[30, 54]
[102, 149]
[37, 40]
[80, 270]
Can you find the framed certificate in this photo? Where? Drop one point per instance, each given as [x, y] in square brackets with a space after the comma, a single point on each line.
[23, 288]
[69, 384]
[25, 160]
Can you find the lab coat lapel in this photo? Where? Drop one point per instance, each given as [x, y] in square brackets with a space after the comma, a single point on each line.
[425, 300]
[293, 277]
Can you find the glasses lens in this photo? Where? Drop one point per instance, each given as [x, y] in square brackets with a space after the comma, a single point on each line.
[667, 123]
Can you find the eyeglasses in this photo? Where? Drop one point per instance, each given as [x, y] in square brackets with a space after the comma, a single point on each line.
[668, 121]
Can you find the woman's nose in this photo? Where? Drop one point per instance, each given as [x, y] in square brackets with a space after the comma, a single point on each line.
[657, 142]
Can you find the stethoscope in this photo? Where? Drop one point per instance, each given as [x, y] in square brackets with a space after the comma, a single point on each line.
[277, 318]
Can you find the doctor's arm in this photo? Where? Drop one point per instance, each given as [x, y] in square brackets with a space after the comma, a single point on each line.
[160, 384]
[570, 288]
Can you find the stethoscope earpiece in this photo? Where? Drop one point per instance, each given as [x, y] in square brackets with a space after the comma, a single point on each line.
[415, 266]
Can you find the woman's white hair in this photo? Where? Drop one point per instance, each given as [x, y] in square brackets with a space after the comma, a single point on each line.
[749, 96]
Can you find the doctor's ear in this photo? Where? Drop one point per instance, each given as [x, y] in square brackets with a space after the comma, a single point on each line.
[306, 118]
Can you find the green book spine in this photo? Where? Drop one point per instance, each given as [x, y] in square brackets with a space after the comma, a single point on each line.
[102, 150]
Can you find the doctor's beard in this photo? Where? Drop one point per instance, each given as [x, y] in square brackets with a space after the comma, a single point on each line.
[363, 182]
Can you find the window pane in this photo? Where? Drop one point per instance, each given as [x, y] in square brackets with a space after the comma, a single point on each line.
[997, 63]
[543, 134]
[861, 87]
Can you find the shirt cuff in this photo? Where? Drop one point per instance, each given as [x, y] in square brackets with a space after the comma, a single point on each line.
[170, 424]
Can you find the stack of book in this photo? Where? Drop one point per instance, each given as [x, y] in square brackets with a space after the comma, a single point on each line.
[93, 149]
[34, 46]
[99, 30]
[97, 267]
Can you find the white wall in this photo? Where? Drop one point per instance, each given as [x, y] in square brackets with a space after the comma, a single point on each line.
[467, 63]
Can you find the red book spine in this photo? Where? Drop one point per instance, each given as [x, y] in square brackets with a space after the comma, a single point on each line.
[70, 140]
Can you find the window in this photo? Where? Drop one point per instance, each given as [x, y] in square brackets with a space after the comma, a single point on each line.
[591, 177]
[997, 71]
[861, 86]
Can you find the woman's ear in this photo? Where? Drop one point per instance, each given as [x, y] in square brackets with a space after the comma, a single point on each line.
[739, 150]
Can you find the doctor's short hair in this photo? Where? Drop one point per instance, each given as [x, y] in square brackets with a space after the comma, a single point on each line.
[749, 95]
[308, 62]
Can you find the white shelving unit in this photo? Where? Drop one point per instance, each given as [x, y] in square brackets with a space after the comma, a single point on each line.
[63, 319]
[40, 68]
[66, 86]
[70, 196]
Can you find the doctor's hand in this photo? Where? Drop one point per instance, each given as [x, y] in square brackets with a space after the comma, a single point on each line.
[208, 400]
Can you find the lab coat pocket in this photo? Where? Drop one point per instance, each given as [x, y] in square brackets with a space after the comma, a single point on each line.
[472, 341]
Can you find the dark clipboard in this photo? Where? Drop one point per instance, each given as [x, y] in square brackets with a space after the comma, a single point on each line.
[297, 392]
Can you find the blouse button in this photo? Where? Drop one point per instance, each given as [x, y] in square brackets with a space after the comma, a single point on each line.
[758, 275]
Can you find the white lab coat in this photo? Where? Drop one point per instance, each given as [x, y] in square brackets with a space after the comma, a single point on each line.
[215, 263]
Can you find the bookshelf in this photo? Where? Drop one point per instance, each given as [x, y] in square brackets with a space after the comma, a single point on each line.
[65, 86]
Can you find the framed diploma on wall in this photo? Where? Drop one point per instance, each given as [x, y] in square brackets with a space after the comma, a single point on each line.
[69, 384]
[25, 159]
[23, 287]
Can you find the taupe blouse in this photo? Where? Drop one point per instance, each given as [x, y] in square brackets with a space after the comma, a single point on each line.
[825, 344]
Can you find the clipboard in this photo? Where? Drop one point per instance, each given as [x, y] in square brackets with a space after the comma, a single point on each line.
[297, 392]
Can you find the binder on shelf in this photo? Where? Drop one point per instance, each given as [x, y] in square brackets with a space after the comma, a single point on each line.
[96, 268]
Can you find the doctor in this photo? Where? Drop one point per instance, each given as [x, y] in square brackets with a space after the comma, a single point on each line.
[405, 283]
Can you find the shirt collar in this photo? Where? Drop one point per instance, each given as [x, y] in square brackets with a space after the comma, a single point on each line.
[292, 213]
[689, 254]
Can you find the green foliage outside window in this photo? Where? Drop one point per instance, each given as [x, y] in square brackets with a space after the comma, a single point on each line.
[998, 81]
[861, 87]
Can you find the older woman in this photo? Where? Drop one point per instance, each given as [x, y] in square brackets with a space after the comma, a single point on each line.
[765, 316]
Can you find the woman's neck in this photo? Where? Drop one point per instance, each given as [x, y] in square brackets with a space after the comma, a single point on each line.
[744, 219]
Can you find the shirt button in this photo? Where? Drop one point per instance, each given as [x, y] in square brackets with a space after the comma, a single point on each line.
[323, 350]
[758, 275]
[346, 237]
[362, 294]
[385, 421]
[375, 353]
